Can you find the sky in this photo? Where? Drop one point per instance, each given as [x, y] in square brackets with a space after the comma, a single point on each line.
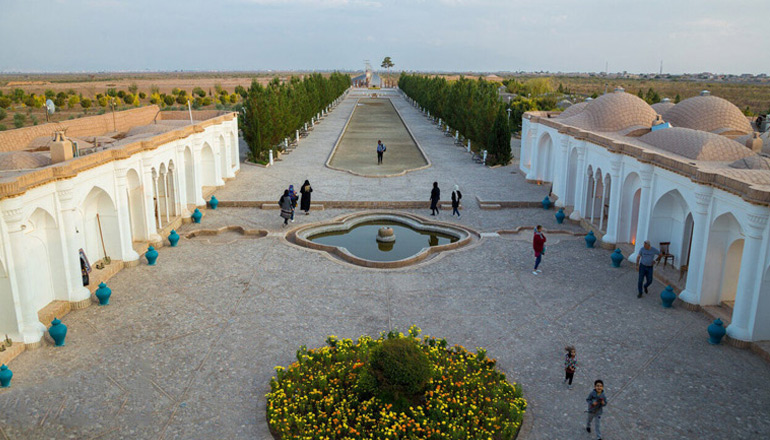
[688, 36]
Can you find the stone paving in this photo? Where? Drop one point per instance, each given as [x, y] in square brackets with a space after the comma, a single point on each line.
[186, 348]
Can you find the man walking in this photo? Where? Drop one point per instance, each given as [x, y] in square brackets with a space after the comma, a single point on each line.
[380, 151]
[645, 262]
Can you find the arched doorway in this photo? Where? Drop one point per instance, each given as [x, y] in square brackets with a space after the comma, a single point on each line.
[667, 223]
[588, 197]
[544, 147]
[687, 240]
[630, 197]
[135, 205]
[100, 221]
[173, 200]
[569, 190]
[189, 177]
[47, 280]
[208, 166]
[223, 156]
[235, 151]
[723, 260]
[595, 203]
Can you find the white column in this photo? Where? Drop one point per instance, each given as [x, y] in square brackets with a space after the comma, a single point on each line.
[69, 239]
[10, 298]
[124, 216]
[613, 219]
[643, 223]
[749, 279]
[580, 183]
[32, 329]
[700, 236]
[593, 198]
[560, 178]
[149, 204]
[165, 193]
[198, 196]
[533, 153]
[156, 202]
[181, 180]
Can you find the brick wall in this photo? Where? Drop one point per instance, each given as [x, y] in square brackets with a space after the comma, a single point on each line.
[15, 140]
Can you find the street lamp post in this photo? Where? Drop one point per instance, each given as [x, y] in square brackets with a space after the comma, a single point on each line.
[509, 115]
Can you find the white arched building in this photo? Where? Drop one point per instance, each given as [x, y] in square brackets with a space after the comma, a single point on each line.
[145, 169]
[694, 176]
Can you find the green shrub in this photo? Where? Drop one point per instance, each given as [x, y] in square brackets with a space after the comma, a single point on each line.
[142, 95]
[112, 92]
[133, 88]
[85, 103]
[49, 94]
[19, 119]
[181, 99]
[103, 101]
[33, 118]
[154, 89]
[197, 102]
[128, 98]
[241, 91]
[175, 91]
[233, 98]
[121, 94]
[207, 100]
[5, 102]
[199, 91]
[400, 368]
[168, 100]
[3, 127]
[72, 101]
[3, 114]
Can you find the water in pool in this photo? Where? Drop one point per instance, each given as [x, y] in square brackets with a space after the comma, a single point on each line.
[361, 240]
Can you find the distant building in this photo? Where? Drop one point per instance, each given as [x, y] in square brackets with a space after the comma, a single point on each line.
[701, 187]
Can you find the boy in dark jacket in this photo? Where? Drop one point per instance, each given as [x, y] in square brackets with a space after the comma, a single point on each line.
[596, 401]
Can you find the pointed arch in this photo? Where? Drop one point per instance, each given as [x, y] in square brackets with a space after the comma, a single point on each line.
[136, 207]
[100, 221]
[544, 158]
[43, 246]
[208, 166]
[224, 157]
[630, 198]
[667, 223]
[724, 251]
[189, 177]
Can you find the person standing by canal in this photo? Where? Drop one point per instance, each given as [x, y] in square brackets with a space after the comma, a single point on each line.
[435, 194]
[304, 203]
[380, 151]
[456, 197]
[538, 244]
[644, 263]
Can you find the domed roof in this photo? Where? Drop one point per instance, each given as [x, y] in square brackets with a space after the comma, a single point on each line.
[662, 107]
[696, 145]
[615, 111]
[22, 160]
[755, 162]
[573, 110]
[708, 113]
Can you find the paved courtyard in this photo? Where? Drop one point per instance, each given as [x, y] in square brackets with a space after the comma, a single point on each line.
[186, 348]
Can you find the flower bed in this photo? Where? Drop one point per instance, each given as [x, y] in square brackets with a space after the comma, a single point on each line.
[320, 397]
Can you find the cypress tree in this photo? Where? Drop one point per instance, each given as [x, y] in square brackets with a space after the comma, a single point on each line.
[500, 139]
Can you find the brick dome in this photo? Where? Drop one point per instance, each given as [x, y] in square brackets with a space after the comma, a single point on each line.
[22, 160]
[697, 145]
[662, 107]
[573, 110]
[615, 111]
[708, 113]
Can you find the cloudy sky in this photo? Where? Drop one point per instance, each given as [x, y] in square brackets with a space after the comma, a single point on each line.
[450, 35]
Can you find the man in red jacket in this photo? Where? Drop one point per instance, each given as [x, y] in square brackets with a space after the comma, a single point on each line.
[538, 244]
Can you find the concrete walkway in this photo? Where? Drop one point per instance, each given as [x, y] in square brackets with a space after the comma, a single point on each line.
[186, 349]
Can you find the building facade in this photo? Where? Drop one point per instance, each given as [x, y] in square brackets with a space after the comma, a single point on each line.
[693, 176]
[99, 205]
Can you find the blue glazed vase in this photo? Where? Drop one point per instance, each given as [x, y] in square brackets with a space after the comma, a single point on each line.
[617, 258]
[213, 202]
[546, 203]
[58, 332]
[667, 297]
[560, 216]
[103, 294]
[196, 215]
[590, 239]
[173, 238]
[151, 255]
[716, 332]
[5, 376]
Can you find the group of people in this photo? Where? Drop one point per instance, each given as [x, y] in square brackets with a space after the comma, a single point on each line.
[596, 399]
[435, 196]
[288, 201]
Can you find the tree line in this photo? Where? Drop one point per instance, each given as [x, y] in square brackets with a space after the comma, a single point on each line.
[471, 106]
[273, 112]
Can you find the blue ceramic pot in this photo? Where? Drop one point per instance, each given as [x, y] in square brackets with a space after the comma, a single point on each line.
[58, 332]
[103, 294]
[173, 238]
[546, 203]
[560, 216]
[617, 258]
[716, 332]
[151, 255]
[590, 239]
[667, 297]
[5, 376]
[196, 215]
[213, 202]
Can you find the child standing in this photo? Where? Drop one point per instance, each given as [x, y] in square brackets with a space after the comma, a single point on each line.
[596, 401]
[570, 364]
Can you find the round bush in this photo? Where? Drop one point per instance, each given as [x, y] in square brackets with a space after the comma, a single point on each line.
[400, 368]
[332, 392]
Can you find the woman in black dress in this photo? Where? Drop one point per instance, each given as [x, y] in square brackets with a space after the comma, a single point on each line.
[435, 194]
[304, 203]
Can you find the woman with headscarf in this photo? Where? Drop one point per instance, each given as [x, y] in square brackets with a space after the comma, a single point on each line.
[294, 197]
[285, 204]
[435, 194]
[304, 203]
[456, 196]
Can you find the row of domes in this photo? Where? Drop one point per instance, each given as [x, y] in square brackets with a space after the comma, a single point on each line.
[620, 111]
